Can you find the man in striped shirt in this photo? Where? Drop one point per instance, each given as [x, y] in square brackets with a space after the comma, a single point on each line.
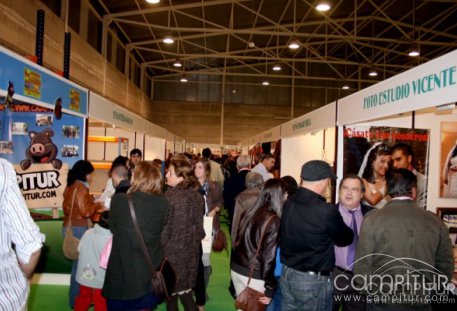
[16, 227]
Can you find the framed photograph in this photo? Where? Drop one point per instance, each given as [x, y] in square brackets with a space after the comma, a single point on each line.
[19, 128]
[448, 164]
[44, 119]
[449, 217]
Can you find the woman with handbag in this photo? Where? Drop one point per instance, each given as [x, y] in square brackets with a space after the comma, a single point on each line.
[213, 201]
[78, 208]
[254, 255]
[128, 279]
[183, 232]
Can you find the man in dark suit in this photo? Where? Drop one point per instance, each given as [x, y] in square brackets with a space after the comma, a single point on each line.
[351, 192]
[234, 185]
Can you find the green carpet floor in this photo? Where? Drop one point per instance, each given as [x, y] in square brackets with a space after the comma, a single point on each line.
[55, 298]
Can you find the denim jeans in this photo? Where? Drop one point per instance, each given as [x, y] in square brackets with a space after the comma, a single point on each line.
[74, 286]
[305, 292]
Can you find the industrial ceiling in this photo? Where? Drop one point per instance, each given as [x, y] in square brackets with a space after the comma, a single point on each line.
[243, 40]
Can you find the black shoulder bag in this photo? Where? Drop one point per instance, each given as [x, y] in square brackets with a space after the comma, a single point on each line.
[164, 277]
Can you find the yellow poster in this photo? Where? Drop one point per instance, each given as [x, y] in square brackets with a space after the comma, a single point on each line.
[32, 83]
[75, 100]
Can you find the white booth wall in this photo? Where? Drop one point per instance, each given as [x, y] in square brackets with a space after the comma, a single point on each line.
[297, 150]
[154, 148]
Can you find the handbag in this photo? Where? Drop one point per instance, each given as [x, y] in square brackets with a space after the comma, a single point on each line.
[248, 299]
[70, 242]
[163, 279]
[220, 241]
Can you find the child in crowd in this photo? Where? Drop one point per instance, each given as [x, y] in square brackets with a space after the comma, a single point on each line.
[89, 275]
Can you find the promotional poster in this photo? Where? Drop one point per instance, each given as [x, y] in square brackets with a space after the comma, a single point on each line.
[372, 152]
[42, 149]
[42, 124]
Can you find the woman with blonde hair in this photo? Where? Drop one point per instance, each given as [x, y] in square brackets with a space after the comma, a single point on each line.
[183, 232]
[128, 281]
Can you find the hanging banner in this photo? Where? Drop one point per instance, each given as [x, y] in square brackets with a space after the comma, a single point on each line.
[37, 85]
[372, 152]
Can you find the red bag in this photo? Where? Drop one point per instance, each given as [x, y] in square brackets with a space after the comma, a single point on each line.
[220, 241]
[248, 300]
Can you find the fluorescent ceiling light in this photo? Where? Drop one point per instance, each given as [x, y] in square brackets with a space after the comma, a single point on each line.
[177, 63]
[265, 83]
[153, 1]
[294, 44]
[345, 87]
[414, 52]
[183, 79]
[373, 73]
[276, 67]
[323, 6]
[168, 40]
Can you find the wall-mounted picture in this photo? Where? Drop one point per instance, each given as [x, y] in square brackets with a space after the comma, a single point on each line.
[448, 164]
[6, 147]
[19, 128]
[70, 131]
[449, 217]
[44, 119]
[373, 152]
[69, 151]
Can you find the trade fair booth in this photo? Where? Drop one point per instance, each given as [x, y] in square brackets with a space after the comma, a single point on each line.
[112, 131]
[416, 108]
[308, 137]
[43, 130]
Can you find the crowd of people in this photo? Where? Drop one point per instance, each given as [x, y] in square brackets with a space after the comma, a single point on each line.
[290, 245]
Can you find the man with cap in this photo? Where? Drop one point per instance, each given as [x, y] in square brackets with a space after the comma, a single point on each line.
[310, 228]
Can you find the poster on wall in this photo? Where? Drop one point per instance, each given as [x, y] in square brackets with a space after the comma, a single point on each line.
[448, 163]
[372, 152]
[42, 124]
[41, 148]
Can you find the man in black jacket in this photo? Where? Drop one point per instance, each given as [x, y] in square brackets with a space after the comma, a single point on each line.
[236, 184]
[350, 192]
[310, 228]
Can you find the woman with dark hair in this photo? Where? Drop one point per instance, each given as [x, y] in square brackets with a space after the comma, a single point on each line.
[80, 204]
[291, 184]
[374, 172]
[128, 281]
[183, 232]
[255, 222]
[212, 195]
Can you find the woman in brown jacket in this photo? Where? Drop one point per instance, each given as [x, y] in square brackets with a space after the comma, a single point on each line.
[183, 232]
[77, 195]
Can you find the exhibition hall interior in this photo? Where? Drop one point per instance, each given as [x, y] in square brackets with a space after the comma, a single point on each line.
[300, 80]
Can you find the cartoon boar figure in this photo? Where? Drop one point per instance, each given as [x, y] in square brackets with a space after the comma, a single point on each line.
[41, 150]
